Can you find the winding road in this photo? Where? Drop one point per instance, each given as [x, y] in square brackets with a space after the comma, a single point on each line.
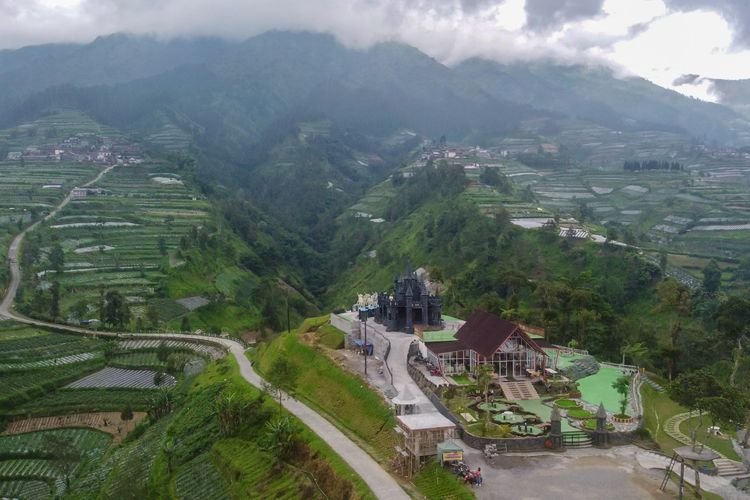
[382, 484]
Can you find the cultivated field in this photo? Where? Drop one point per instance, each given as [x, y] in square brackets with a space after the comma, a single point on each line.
[111, 378]
[127, 237]
[30, 459]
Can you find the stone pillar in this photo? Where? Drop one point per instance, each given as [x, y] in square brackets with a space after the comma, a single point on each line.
[556, 429]
[601, 434]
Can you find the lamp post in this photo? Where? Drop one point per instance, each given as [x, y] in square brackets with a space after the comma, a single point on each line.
[363, 317]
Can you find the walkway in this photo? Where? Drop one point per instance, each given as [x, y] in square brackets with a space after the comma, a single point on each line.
[380, 482]
[397, 362]
[715, 484]
[672, 427]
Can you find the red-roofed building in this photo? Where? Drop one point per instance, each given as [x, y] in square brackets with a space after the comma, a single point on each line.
[489, 339]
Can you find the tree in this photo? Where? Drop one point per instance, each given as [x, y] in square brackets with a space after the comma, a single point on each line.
[281, 437]
[80, 309]
[161, 404]
[162, 246]
[127, 413]
[281, 377]
[622, 386]
[57, 258]
[231, 411]
[484, 379]
[692, 390]
[115, 310]
[185, 324]
[733, 321]
[110, 349]
[65, 457]
[158, 378]
[162, 352]
[636, 351]
[54, 306]
[152, 314]
[711, 277]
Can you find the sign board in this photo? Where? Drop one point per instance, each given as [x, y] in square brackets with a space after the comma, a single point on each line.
[453, 456]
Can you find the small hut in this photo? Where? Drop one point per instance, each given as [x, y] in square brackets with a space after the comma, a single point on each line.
[449, 451]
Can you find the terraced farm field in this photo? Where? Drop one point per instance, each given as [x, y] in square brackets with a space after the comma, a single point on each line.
[200, 480]
[209, 351]
[31, 490]
[29, 459]
[110, 378]
[123, 236]
[34, 362]
[84, 400]
[253, 472]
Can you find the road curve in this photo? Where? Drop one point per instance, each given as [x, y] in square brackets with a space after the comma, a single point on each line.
[380, 482]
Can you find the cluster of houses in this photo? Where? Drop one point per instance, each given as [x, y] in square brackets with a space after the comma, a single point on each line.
[84, 148]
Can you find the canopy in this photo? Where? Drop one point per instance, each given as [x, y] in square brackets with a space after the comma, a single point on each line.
[405, 397]
[449, 451]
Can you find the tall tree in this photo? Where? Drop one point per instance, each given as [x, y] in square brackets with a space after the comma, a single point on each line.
[281, 377]
[711, 277]
[116, 312]
[693, 390]
[57, 258]
[484, 379]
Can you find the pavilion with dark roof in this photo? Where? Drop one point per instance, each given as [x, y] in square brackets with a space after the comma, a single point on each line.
[489, 339]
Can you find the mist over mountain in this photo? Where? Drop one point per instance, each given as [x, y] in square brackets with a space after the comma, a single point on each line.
[235, 90]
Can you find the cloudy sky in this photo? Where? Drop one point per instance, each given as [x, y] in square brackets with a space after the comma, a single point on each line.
[658, 39]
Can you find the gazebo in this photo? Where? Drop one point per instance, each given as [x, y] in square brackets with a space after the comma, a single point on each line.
[406, 402]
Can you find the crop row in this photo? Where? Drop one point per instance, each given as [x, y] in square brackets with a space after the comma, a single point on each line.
[203, 349]
[36, 468]
[21, 386]
[110, 378]
[200, 480]
[87, 441]
[55, 343]
[85, 400]
[27, 490]
[45, 363]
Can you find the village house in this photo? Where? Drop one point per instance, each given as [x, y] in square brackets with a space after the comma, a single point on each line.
[486, 339]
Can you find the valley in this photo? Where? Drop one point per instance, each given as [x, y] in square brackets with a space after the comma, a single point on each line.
[188, 245]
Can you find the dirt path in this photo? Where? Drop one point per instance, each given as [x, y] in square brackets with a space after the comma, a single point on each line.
[109, 422]
[380, 482]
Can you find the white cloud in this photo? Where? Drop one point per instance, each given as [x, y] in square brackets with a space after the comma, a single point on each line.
[642, 37]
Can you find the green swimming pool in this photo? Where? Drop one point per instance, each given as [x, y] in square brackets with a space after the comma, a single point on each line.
[597, 388]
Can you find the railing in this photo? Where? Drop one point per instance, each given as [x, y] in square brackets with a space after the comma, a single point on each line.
[574, 439]
[619, 365]
[571, 350]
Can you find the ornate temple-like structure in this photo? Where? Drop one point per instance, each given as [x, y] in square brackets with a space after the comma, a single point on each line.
[410, 304]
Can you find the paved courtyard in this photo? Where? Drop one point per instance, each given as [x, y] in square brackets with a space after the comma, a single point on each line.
[588, 473]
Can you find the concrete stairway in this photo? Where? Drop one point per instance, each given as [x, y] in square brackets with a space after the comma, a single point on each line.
[516, 391]
[729, 468]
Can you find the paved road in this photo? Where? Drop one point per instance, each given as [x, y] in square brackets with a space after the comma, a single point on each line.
[15, 273]
[380, 482]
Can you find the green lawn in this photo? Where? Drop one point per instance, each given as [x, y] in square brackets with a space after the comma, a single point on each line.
[462, 379]
[341, 396]
[721, 444]
[657, 408]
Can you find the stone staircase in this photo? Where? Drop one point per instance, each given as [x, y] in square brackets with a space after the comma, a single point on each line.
[730, 468]
[657, 387]
[576, 439]
[516, 391]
